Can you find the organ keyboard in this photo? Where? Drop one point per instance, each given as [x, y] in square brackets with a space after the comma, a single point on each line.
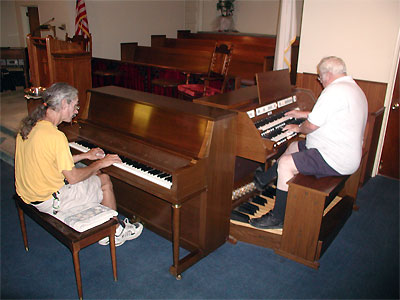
[178, 164]
[259, 132]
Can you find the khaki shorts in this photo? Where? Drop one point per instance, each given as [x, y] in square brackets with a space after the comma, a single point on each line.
[71, 195]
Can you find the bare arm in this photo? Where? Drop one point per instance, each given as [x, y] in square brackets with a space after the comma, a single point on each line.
[79, 174]
[298, 114]
[306, 127]
[92, 154]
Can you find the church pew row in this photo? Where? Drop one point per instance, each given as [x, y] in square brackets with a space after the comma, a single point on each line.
[254, 40]
[244, 65]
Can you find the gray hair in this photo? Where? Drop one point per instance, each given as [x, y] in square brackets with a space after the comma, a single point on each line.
[333, 65]
[52, 98]
[59, 91]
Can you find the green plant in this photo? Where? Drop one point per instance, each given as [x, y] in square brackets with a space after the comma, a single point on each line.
[226, 7]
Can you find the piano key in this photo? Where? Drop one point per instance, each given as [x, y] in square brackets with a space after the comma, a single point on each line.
[131, 166]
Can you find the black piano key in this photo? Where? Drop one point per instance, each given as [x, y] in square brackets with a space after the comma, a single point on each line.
[162, 175]
[155, 172]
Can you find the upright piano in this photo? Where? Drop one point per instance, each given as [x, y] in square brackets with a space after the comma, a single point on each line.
[178, 164]
[260, 141]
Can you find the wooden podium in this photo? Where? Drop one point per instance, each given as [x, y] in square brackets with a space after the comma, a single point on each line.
[54, 60]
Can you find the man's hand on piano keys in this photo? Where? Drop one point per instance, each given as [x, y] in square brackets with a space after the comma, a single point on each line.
[108, 160]
[95, 153]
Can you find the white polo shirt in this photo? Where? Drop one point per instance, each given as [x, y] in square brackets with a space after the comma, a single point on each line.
[341, 114]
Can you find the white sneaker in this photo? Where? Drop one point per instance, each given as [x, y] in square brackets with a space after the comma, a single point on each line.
[124, 233]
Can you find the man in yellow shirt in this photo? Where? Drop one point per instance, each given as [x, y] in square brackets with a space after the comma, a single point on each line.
[45, 172]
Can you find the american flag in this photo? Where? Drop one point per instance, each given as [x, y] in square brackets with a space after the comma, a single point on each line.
[81, 21]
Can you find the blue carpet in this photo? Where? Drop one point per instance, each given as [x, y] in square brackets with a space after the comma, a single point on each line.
[361, 263]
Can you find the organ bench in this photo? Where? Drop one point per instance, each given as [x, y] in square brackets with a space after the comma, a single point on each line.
[315, 212]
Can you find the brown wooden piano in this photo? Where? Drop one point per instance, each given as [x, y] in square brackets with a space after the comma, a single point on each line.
[178, 164]
[310, 221]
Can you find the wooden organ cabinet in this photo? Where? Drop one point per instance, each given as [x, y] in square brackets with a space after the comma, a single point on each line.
[53, 60]
[316, 208]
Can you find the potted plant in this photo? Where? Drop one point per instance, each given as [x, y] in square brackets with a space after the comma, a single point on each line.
[225, 21]
[226, 7]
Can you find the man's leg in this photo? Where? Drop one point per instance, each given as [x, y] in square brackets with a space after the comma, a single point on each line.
[263, 178]
[286, 170]
[108, 192]
[126, 231]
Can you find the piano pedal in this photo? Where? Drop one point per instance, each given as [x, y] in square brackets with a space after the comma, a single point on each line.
[253, 208]
[238, 216]
[269, 191]
[260, 200]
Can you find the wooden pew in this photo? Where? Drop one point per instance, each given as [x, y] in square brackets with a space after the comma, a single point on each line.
[241, 38]
[204, 44]
[247, 59]
[244, 64]
[248, 39]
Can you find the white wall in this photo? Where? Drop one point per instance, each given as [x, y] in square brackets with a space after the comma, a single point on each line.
[362, 32]
[110, 22]
[250, 16]
[8, 24]
[113, 22]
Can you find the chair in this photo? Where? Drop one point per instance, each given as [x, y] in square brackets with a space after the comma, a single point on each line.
[216, 79]
[71, 238]
[85, 43]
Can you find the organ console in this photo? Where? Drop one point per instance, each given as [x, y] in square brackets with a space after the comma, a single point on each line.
[315, 210]
[177, 168]
[260, 118]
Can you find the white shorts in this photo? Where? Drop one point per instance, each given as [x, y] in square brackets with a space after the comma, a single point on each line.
[71, 195]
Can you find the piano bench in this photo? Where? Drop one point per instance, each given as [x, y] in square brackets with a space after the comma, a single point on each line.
[71, 238]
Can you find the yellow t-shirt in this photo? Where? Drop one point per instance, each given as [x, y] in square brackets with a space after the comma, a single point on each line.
[39, 162]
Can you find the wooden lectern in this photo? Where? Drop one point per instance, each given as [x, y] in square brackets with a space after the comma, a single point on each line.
[53, 60]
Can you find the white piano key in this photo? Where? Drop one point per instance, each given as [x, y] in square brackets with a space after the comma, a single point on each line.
[130, 169]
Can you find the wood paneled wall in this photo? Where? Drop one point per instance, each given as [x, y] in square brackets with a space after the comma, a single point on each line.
[375, 91]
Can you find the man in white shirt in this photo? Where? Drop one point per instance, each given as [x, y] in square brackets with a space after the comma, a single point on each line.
[334, 136]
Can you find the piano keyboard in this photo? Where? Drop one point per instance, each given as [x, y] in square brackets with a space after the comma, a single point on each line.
[153, 175]
[271, 127]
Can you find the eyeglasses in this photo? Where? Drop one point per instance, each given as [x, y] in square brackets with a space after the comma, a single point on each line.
[319, 78]
[77, 107]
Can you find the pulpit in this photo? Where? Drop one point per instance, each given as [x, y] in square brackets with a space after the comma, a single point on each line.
[53, 60]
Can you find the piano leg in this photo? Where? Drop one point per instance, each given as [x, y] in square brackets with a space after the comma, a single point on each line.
[197, 253]
[176, 216]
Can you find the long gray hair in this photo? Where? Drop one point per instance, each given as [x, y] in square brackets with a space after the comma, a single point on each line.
[52, 98]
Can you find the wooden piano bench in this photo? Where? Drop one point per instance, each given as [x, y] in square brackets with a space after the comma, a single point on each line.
[316, 210]
[71, 238]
